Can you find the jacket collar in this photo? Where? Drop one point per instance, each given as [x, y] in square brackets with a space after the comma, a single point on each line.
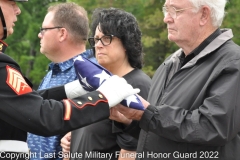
[215, 44]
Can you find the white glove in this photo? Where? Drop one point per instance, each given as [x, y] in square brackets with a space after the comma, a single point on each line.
[115, 89]
[74, 89]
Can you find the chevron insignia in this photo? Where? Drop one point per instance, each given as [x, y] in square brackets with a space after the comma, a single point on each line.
[16, 81]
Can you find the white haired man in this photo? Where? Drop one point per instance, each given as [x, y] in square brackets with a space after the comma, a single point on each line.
[193, 105]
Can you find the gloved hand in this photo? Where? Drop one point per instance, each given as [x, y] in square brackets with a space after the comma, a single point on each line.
[115, 89]
[74, 89]
[92, 75]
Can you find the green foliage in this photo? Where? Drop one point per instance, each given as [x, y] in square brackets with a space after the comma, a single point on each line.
[24, 43]
[149, 70]
[40, 69]
[232, 19]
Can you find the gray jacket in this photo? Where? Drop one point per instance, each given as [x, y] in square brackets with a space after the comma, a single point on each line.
[195, 111]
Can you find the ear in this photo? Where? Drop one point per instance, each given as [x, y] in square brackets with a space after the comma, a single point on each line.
[205, 16]
[63, 34]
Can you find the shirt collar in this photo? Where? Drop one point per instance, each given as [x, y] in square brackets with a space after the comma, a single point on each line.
[196, 51]
[206, 42]
[63, 65]
[69, 63]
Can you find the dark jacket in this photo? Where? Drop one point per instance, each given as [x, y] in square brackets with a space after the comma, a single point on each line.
[194, 111]
[24, 110]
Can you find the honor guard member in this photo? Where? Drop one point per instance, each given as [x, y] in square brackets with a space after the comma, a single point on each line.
[23, 110]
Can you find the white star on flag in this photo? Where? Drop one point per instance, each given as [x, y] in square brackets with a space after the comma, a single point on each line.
[80, 58]
[102, 76]
[131, 99]
[84, 80]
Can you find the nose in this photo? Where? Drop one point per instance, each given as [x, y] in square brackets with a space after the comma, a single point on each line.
[39, 35]
[167, 18]
[98, 44]
[17, 10]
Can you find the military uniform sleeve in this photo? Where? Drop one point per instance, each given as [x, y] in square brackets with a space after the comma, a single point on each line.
[57, 93]
[27, 110]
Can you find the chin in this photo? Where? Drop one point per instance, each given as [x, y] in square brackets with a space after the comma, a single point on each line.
[41, 51]
[101, 62]
[171, 38]
[10, 31]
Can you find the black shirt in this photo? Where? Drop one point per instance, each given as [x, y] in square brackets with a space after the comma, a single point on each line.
[103, 137]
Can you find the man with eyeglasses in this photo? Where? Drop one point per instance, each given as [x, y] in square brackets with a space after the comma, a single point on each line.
[24, 110]
[193, 106]
[63, 37]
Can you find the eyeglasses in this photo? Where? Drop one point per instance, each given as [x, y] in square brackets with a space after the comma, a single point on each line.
[43, 30]
[172, 11]
[105, 40]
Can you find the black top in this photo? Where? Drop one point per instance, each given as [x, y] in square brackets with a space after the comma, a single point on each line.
[102, 136]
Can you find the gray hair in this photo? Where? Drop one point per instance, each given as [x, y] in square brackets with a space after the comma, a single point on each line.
[217, 9]
[72, 17]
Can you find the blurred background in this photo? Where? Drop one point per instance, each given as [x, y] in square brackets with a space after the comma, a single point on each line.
[24, 43]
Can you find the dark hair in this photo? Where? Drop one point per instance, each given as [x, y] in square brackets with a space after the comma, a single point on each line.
[124, 26]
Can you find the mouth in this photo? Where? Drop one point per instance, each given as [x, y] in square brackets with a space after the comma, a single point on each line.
[14, 22]
[171, 29]
[99, 54]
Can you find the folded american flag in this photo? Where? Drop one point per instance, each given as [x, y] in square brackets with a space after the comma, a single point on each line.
[92, 75]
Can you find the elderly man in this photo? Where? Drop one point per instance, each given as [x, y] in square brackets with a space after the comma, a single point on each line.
[193, 105]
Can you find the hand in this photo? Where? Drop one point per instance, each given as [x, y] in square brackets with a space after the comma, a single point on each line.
[115, 89]
[119, 117]
[144, 102]
[65, 143]
[74, 89]
[126, 155]
[130, 113]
